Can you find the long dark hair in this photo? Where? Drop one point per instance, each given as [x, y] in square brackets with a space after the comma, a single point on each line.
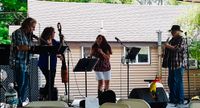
[46, 34]
[27, 23]
[104, 45]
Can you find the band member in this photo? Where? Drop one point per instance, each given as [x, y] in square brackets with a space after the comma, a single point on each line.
[102, 50]
[21, 42]
[175, 59]
[47, 39]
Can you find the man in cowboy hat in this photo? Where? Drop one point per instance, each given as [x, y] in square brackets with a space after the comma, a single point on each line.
[176, 61]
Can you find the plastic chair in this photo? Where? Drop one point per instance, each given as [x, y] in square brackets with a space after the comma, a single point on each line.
[114, 105]
[194, 104]
[47, 104]
[135, 103]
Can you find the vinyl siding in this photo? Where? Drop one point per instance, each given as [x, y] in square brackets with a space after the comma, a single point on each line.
[118, 83]
[135, 25]
[137, 74]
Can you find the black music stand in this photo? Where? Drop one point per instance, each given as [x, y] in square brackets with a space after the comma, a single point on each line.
[85, 65]
[132, 53]
[130, 56]
[49, 50]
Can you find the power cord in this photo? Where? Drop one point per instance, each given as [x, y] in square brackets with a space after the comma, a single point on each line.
[75, 76]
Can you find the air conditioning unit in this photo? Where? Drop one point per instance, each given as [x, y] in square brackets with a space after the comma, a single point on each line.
[193, 64]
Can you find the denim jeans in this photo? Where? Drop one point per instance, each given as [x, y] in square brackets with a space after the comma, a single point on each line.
[175, 83]
[21, 78]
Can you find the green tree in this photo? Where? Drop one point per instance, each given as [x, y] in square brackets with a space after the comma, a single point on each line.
[191, 24]
[191, 21]
[12, 12]
[194, 50]
[98, 1]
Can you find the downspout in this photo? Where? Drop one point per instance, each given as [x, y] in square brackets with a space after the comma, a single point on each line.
[159, 73]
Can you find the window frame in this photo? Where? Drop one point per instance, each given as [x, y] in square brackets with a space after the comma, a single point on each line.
[83, 52]
[136, 61]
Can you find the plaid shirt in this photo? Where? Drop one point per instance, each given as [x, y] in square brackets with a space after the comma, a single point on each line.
[20, 58]
[178, 56]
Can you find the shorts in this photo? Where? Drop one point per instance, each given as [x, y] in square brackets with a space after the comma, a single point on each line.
[103, 75]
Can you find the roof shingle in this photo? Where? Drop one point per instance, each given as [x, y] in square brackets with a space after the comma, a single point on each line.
[82, 21]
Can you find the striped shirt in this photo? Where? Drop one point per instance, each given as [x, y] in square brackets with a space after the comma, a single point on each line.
[177, 56]
[20, 58]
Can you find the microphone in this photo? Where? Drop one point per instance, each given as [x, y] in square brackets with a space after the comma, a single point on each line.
[168, 39]
[32, 36]
[185, 33]
[117, 39]
[38, 39]
[35, 37]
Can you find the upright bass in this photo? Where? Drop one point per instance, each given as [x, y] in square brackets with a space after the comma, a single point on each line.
[64, 70]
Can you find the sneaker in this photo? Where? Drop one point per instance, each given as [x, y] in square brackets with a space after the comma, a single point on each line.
[181, 106]
[172, 102]
[25, 102]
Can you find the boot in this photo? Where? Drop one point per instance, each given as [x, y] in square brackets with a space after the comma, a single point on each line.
[99, 93]
[100, 97]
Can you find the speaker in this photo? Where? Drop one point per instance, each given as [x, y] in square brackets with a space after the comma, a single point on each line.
[160, 101]
[44, 94]
[107, 96]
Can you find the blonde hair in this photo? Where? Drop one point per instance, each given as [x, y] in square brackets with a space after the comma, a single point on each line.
[27, 24]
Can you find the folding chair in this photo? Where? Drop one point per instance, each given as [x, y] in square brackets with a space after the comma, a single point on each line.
[47, 104]
[114, 105]
[194, 104]
[135, 103]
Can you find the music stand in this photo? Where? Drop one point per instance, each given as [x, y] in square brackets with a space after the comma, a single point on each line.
[132, 53]
[85, 65]
[49, 50]
[130, 56]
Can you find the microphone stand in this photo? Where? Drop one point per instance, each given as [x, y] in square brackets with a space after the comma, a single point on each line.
[127, 62]
[188, 68]
[48, 61]
[68, 76]
[68, 84]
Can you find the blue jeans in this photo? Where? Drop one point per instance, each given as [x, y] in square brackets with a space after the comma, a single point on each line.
[21, 78]
[175, 83]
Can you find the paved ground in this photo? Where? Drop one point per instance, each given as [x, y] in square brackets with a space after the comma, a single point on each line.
[76, 103]
[173, 106]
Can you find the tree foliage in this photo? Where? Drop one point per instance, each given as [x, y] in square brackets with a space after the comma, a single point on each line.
[191, 23]
[195, 50]
[97, 1]
[12, 12]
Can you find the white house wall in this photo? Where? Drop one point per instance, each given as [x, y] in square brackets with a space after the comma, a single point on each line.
[81, 23]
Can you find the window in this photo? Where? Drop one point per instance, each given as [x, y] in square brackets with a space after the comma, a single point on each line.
[85, 52]
[143, 57]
